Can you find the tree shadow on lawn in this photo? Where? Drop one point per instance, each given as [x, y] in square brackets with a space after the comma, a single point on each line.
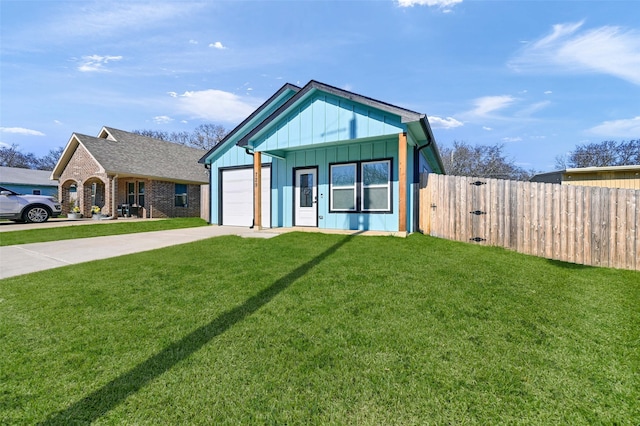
[101, 401]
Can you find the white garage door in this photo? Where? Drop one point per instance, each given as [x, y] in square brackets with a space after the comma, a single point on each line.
[237, 197]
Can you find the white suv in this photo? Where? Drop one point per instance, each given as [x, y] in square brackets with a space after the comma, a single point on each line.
[27, 208]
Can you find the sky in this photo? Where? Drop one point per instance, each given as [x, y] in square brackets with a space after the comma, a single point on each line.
[538, 77]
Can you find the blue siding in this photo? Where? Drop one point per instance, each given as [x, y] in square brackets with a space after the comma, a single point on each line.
[282, 193]
[325, 118]
[28, 189]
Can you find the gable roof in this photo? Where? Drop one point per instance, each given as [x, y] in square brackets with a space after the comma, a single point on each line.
[241, 129]
[405, 115]
[125, 153]
[20, 176]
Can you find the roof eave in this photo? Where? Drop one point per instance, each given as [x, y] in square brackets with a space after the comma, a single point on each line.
[405, 115]
[285, 88]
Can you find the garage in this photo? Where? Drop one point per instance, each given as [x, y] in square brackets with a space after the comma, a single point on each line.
[237, 197]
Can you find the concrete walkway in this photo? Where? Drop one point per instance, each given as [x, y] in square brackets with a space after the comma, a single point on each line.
[27, 258]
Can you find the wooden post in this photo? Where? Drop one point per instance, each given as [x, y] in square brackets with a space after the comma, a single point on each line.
[402, 182]
[257, 190]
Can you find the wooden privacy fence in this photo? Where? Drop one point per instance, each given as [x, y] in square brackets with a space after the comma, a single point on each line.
[578, 224]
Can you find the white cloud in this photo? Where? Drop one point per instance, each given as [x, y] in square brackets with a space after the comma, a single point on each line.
[193, 41]
[217, 45]
[88, 19]
[514, 139]
[216, 105]
[162, 119]
[21, 131]
[625, 128]
[488, 129]
[444, 123]
[442, 4]
[533, 108]
[570, 48]
[172, 94]
[548, 92]
[96, 63]
[488, 104]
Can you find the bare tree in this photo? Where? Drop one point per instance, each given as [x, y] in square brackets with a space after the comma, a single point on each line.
[205, 136]
[601, 154]
[486, 161]
[10, 156]
[49, 161]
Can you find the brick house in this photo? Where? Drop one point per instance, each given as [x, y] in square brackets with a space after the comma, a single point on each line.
[126, 174]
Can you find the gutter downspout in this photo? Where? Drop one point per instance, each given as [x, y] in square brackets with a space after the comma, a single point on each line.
[208, 167]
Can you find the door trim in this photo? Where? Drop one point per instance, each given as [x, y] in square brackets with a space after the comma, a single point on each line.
[293, 199]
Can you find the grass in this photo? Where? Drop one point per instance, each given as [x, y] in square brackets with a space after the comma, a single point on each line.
[321, 329]
[59, 233]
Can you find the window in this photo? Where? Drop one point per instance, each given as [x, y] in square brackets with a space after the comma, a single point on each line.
[376, 186]
[36, 192]
[131, 193]
[343, 187]
[141, 194]
[361, 186]
[181, 195]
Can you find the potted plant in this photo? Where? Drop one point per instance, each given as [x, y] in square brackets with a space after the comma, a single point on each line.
[74, 213]
[96, 212]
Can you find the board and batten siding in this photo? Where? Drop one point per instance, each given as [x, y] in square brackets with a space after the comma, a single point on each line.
[282, 175]
[325, 118]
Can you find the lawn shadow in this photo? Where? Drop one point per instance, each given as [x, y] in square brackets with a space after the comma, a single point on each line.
[103, 400]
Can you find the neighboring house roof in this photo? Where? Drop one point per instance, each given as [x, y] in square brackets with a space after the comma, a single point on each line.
[628, 168]
[130, 154]
[557, 174]
[20, 176]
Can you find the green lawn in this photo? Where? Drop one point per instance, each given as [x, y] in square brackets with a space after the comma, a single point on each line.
[104, 228]
[321, 329]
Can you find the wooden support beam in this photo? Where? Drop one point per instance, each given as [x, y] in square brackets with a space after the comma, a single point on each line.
[257, 190]
[402, 182]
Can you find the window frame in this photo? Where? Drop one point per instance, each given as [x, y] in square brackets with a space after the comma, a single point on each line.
[387, 186]
[360, 187]
[183, 195]
[354, 186]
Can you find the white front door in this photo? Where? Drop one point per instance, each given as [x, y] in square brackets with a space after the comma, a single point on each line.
[306, 197]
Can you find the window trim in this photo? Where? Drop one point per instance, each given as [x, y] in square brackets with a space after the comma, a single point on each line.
[181, 194]
[355, 187]
[359, 187]
[387, 186]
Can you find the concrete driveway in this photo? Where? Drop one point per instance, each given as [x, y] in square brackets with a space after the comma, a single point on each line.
[26, 258]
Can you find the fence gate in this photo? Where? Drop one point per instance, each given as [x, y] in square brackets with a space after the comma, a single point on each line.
[587, 225]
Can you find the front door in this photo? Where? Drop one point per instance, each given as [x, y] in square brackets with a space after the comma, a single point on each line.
[306, 197]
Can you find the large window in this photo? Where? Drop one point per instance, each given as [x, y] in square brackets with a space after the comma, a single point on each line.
[361, 186]
[181, 195]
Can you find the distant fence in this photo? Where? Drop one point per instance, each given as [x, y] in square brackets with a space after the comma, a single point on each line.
[578, 224]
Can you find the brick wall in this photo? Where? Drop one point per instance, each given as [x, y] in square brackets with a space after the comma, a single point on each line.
[162, 198]
[82, 170]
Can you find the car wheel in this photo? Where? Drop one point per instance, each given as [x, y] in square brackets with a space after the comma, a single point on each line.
[36, 214]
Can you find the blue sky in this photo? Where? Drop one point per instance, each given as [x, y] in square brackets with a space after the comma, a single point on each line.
[539, 77]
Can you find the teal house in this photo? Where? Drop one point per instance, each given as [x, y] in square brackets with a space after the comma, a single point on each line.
[322, 157]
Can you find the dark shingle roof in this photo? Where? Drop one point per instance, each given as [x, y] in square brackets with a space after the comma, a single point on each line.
[133, 154]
